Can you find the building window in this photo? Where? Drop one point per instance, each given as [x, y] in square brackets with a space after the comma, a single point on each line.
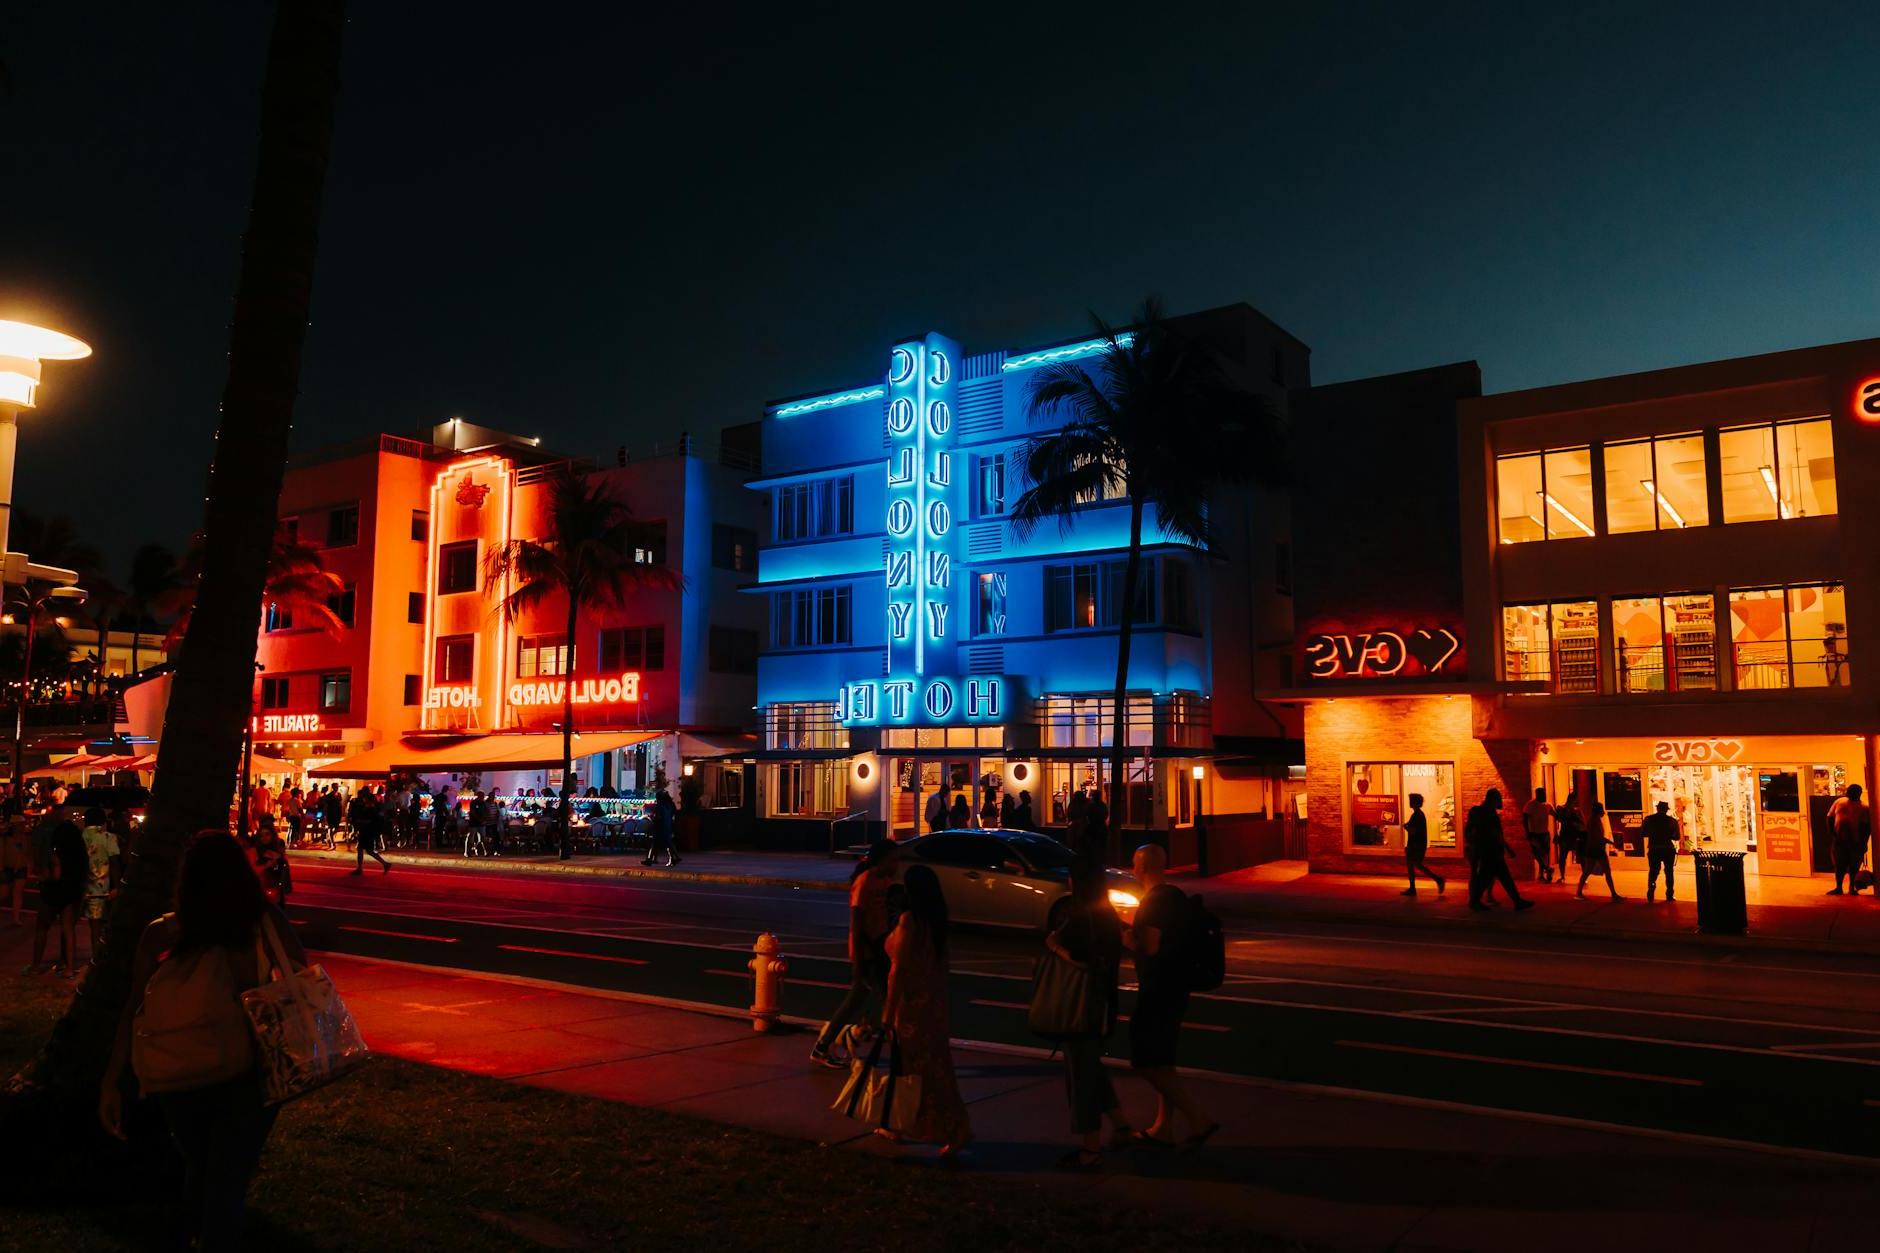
[342, 527]
[649, 545]
[1090, 595]
[1656, 484]
[1556, 644]
[414, 607]
[1792, 636]
[633, 648]
[1085, 722]
[342, 604]
[991, 500]
[728, 787]
[1377, 803]
[414, 689]
[279, 617]
[813, 510]
[1665, 643]
[543, 656]
[1178, 600]
[989, 615]
[420, 525]
[456, 659]
[809, 789]
[734, 548]
[457, 567]
[811, 617]
[1778, 470]
[336, 691]
[274, 692]
[1545, 495]
[801, 725]
[732, 650]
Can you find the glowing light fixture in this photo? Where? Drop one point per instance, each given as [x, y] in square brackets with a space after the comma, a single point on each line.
[1769, 481]
[1651, 490]
[22, 347]
[1565, 512]
[1069, 352]
[830, 402]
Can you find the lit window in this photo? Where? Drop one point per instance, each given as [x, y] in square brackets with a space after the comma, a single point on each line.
[1666, 643]
[1378, 804]
[1778, 471]
[1556, 644]
[542, 657]
[991, 485]
[1545, 495]
[1789, 636]
[991, 606]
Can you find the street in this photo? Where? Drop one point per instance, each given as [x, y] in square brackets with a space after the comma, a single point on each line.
[1764, 1047]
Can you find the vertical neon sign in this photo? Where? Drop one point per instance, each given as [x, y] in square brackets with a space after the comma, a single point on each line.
[921, 509]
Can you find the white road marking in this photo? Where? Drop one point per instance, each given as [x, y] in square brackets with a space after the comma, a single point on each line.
[1675, 1080]
[1191, 1026]
[563, 952]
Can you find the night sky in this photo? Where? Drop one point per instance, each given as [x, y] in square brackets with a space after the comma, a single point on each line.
[607, 229]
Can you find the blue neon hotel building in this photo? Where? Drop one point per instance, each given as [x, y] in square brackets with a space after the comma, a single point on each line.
[914, 640]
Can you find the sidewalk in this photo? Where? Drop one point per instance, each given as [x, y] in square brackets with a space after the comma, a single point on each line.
[815, 871]
[1327, 1169]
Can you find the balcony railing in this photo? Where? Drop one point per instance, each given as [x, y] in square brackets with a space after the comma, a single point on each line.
[1766, 664]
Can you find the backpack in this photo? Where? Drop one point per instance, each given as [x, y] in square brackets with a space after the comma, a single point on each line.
[1200, 949]
[190, 1031]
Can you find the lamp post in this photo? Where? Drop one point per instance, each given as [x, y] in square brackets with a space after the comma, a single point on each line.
[31, 603]
[1201, 830]
[23, 347]
[248, 765]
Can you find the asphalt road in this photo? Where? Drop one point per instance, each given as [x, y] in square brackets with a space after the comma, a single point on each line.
[1770, 1048]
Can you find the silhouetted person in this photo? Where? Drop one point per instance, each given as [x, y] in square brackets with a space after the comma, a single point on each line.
[1593, 857]
[1661, 850]
[1849, 825]
[937, 812]
[1416, 844]
[1097, 834]
[1491, 854]
[1569, 836]
[1022, 817]
[960, 816]
[1537, 820]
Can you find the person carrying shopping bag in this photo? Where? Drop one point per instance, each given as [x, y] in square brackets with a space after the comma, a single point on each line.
[1073, 1004]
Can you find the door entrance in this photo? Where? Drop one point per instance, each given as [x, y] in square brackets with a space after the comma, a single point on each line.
[917, 780]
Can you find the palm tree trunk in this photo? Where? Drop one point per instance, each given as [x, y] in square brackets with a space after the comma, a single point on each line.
[202, 733]
[137, 634]
[567, 730]
[1119, 713]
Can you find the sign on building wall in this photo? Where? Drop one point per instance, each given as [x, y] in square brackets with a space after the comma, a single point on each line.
[1384, 653]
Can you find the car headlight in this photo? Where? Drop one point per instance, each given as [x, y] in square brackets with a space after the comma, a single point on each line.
[1123, 900]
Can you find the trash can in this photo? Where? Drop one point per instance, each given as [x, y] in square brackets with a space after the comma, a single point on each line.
[1722, 908]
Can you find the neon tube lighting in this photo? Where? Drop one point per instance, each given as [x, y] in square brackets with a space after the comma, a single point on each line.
[1775, 497]
[830, 402]
[1565, 512]
[1066, 353]
[1652, 491]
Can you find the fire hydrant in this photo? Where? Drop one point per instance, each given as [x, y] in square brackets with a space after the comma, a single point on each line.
[768, 969]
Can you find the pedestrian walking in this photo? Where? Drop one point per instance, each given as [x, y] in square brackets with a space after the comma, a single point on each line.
[1416, 846]
[868, 955]
[479, 818]
[366, 819]
[1154, 942]
[1594, 859]
[1850, 825]
[64, 870]
[1091, 940]
[331, 810]
[191, 969]
[1569, 837]
[1077, 821]
[1537, 819]
[293, 814]
[1022, 817]
[960, 816]
[916, 1012]
[663, 815]
[1483, 834]
[102, 866]
[1662, 837]
[937, 811]
[260, 802]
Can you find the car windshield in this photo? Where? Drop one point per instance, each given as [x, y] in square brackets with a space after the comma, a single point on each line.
[1043, 853]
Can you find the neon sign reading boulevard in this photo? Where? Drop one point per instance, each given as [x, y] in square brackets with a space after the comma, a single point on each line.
[922, 506]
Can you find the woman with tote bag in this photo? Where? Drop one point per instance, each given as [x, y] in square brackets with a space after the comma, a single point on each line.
[1074, 1005]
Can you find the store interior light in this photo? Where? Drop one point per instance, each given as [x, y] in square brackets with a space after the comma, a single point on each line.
[1565, 512]
[1651, 489]
[1769, 481]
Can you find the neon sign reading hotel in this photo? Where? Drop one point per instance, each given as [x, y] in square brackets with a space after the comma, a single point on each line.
[922, 507]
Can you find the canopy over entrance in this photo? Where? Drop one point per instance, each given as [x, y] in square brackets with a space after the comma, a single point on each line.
[483, 752]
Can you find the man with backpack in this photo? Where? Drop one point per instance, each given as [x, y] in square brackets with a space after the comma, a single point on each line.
[1175, 945]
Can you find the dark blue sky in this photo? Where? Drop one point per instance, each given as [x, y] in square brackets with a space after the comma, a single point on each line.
[608, 229]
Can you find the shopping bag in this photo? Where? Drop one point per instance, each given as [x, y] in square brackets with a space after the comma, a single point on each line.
[878, 1097]
[849, 1102]
[1066, 1001]
[304, 1036]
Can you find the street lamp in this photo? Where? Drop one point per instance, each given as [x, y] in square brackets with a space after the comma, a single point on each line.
[23, 347]
[31, 603]
[1201, 830]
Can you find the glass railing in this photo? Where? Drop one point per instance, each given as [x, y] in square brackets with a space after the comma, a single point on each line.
[1766, 664]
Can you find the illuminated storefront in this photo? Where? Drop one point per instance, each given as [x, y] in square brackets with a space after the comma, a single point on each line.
[918, 646]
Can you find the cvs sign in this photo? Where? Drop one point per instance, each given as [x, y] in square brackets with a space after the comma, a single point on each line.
[1379, 654]
[1697, 752]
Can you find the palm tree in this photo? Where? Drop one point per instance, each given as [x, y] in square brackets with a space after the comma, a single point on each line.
[298, 584]
[1156, 418]
[202, 733]
[154, 578]
[587, 559]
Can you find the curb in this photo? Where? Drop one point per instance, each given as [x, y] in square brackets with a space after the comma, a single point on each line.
[492, 866]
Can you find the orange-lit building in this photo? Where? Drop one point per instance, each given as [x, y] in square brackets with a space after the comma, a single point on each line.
[1624, 590]
[427, 676]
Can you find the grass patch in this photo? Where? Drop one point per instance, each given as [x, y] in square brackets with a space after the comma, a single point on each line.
[405, 1156]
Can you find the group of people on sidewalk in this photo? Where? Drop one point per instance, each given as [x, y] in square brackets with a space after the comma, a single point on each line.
[898, 986]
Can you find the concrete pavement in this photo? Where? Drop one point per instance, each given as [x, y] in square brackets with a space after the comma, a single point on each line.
[1328, 1168]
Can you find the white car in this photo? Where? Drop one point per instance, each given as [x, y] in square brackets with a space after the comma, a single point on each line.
[1000, 878]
